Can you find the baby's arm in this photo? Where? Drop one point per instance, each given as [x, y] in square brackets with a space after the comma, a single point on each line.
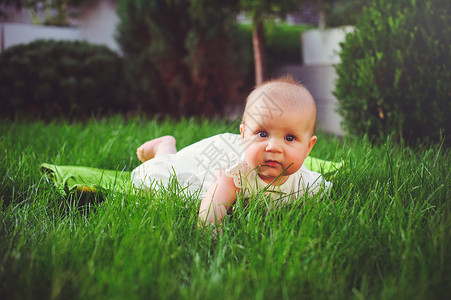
[220, 195]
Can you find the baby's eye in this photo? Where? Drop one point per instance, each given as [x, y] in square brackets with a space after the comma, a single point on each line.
[290, 138]
[262, 134]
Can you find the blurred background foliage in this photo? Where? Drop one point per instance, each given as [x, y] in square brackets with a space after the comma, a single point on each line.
[333, 13]
[181, 57]
[48, 79]
[55, 12]
[191, 57]
[394, 76]
[57, 79]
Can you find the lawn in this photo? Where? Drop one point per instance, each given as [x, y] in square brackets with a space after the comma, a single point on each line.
[384, 232]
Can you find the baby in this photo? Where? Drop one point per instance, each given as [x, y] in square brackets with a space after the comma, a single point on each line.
[277, 134]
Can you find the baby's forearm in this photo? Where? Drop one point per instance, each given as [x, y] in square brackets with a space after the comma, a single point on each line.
[212, 213]
[220, 196]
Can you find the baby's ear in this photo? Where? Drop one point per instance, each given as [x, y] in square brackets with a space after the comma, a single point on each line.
[242, 129]
[311, 144]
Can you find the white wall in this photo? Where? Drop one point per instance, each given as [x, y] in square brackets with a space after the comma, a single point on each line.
[96, 24]
[321, 47]
[16, 33]
[320, 52]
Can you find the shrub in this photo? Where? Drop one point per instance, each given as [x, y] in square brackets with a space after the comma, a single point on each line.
[53, 78]
[180, 56]
[395, 71]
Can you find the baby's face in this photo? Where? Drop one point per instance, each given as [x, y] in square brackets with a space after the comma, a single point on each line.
[274, 141]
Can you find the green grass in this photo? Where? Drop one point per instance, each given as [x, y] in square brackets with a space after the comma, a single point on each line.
[384, 232]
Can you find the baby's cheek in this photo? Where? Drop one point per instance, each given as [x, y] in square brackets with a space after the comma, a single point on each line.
[250, 156]
[295, 164]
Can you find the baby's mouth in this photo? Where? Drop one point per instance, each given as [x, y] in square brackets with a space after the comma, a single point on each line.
[272, 163]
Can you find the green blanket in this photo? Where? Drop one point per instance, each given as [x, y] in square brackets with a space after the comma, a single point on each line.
[68, 179]
[322, 166]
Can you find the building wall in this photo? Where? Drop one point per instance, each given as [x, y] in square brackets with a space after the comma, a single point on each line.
[320, 50]
[96, 24]
[12, 34]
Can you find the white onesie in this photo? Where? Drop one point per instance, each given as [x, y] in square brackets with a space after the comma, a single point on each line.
[195, 168]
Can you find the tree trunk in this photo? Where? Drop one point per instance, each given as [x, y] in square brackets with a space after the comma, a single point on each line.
[259, 59]
[322, 19]
[322, 15]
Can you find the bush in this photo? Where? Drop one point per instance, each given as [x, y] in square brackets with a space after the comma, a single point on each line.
[181, 57]
[60, 78]
[395, 71]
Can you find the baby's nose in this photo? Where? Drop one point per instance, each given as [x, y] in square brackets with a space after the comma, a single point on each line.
[273, 145]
